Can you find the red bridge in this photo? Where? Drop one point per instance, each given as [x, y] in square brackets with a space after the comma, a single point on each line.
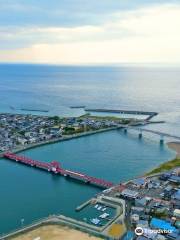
[55, 167]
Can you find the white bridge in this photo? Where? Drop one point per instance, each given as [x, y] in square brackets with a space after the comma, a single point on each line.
[141, 130]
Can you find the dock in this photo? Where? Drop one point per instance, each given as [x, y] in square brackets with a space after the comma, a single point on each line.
[55, 168]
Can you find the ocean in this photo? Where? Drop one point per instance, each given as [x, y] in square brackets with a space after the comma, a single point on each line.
[30, 194]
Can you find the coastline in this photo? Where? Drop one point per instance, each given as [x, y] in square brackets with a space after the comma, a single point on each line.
[176, 147]
[170, 164]
[60, 139]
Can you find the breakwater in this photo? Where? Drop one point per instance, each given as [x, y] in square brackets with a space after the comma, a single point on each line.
[135, 112]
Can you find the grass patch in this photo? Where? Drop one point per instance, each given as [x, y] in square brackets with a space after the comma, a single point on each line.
[166, 166]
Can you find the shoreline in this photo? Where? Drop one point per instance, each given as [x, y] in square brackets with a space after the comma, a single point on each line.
[56, 140]
[169, 164]
[176, 147]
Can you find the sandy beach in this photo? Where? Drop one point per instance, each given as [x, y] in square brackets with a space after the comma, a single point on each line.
[175, 146]
[53, 232]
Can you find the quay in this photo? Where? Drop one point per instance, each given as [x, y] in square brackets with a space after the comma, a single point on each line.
[54, 167]
[83, 205]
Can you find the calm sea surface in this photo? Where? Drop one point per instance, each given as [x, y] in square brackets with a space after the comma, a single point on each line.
[31, 194]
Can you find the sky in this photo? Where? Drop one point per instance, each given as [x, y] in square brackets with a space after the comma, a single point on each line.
[90, 32]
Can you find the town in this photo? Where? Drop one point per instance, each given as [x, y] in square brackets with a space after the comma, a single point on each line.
[143, 208]
[20, 130]
[152, 206]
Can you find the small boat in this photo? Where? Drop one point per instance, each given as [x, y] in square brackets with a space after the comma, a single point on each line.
[95, 221]
[104, 215]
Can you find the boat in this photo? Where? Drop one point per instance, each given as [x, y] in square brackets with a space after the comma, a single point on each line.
[104, 215]
[95, 221]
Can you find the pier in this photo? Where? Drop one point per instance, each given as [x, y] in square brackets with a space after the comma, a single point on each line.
[55, 167]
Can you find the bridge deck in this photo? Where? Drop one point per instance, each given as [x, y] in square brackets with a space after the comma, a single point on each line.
[55, 167]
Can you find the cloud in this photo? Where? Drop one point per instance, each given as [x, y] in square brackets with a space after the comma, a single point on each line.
[150, 34]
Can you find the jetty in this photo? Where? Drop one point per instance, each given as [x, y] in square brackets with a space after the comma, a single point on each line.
[34, 110]
[55, 168]
[78, 106]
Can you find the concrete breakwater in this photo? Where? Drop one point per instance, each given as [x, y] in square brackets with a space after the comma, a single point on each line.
[135, 112]
[54, 220]
[61, 220]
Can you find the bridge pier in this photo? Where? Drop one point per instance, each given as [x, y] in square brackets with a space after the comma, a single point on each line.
[125, 130]
[140, 134]
[162, 140]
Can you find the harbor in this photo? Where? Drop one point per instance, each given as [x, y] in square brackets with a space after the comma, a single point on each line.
[53, 193]
[94, 226]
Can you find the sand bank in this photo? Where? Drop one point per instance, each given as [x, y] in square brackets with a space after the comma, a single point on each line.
[53, 232]
[175, 146]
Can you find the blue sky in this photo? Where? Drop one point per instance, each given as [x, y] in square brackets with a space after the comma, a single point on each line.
[31, 30]
[65, 12]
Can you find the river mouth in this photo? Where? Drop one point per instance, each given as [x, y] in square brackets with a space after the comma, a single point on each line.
[31, 194]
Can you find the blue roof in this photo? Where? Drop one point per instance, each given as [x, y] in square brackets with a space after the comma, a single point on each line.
[129, 235]
[161, 224]
[177, 195]
[175, 179]
[139, 181]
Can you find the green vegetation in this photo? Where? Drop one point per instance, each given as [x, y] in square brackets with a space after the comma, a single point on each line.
[69, 130]
[108, 118]
[166, 166]
[162, 215]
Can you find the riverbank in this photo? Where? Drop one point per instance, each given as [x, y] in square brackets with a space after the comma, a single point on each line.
[175, 146]
[174, 163]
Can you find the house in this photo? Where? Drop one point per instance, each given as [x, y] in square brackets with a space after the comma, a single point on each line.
[129, 193]
[22, 141]
[173, 236]
[141, 202]
[165, 176]
[177, 224]
[176, 195]
[143, 224]
[176, 213]
[134, 218]
[175, 179]
[137, 210]
[140, 182]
